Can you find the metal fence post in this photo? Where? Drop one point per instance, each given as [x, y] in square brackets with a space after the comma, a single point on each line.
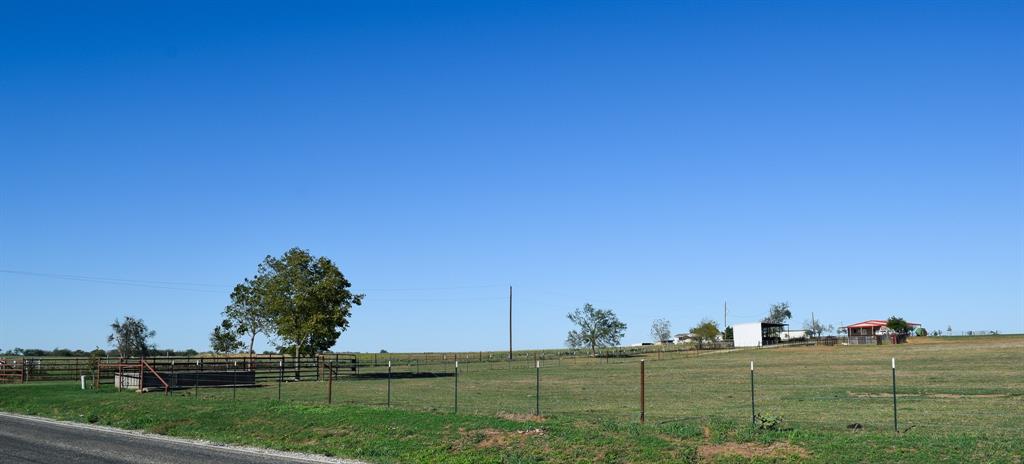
[642, 399]
[537, 412]
[330, 382]
[456, 387]
[895, 424]
[752, 415]
[389, 383]
[234, 380]
[280, 377]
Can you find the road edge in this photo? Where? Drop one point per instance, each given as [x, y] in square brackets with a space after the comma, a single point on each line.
[264, 452]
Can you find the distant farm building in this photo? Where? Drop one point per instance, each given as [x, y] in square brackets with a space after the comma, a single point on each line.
[788, 335]
[875, 332]
[684, 338]
[757, 334]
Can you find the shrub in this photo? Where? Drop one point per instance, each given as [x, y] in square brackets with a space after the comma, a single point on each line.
[767, 421]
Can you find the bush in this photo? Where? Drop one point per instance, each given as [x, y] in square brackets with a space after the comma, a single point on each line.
[765, 421]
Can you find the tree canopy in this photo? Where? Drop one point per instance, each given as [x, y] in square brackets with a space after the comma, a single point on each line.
[224, 338]
[131, 337]
[778, 313]
[307, 298]
[898, 325]
[815, 328]
[248, 313]
[596, 328]
[661, 330]
[705, 332]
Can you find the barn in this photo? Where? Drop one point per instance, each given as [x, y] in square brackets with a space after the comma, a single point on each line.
[757, 334]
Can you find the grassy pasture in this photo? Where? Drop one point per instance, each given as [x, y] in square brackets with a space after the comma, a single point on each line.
[960, 399]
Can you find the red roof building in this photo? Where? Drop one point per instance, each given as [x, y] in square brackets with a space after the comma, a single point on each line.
[875, 332]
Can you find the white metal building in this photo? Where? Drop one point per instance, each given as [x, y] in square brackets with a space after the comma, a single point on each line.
[756, 334]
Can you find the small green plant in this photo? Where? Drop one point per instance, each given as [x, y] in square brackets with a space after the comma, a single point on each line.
[765, 421]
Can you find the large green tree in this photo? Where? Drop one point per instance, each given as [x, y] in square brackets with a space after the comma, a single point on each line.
[596, 328]
[307, 298]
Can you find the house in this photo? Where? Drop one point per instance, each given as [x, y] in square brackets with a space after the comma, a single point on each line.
[788, 335]
[757, 334]
[684, 338]
[875, 332]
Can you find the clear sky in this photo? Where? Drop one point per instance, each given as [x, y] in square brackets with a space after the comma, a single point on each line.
[857, 159]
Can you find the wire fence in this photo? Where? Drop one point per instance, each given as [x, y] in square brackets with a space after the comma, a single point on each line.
[831, 393]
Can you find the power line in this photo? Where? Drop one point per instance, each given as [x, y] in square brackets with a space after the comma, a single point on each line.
[109, 279]
[211, 288]
[427, 289]
[121, 282]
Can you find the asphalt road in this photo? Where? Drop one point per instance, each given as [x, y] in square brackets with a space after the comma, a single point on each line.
[32, 440]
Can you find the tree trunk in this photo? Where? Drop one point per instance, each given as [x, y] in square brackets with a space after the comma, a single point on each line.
[252, 341]
[298, 375]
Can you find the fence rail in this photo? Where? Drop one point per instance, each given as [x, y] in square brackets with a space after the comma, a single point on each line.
[269, 367]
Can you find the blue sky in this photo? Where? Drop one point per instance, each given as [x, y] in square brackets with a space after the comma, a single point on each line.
[857, 160]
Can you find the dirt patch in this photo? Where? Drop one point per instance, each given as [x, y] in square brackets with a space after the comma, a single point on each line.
[955, 396]
[707, 432]
[958, 396]
[751, 450]
[520, 417]
[492, 438]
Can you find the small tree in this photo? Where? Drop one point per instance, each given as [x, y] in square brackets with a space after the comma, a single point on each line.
[705, 332]
[247, 311]
[131, 337]
[661, 330]
[898, 325]
[778, 313]
[727, 333]
[224, 338]
[596, 328]
[921, 332]
[815, 328]
[949, 330]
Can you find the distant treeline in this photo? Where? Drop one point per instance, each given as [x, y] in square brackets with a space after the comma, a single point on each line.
[99, 352]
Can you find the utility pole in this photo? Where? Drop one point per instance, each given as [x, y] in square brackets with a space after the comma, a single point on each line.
[725, 315]
[510, 323]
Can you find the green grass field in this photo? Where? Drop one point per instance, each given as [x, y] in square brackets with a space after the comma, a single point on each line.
[960, 399]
